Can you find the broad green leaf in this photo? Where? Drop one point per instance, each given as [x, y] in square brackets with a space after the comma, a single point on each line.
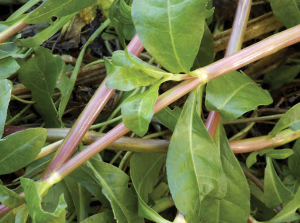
[280, 153]
[275, 192]
[50, 8]
[44, 35]
[81, 198]
[138, 110]
[165, 34]
[235, 206]
[251, 159]
[123, 75]
[19, 149]
[206, 52]
[287, 214]
[37, 165]
[9, 198]
[40, 74]
[233, 94]
[22, 214]
[168, 117]
[294, 160]
[5, 92]
[8, 217]
[286, 12]
[193, 164]
[114, 183]
[280, 76]
[291, 119]
[106, 216]
[144, 170]
[7, 67]
[34, 207]
[8, 49]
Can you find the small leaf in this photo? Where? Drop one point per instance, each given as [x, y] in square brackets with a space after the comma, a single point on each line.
[275, 192]
[50, 8]
[291, 119]
[5, 92]
[232, 95]
[19, 149]
[106, 216]
[8, 66]
[34, 207]
[280, 76]
[193, 164]
[9, 198]
[8, 49]
[286, 12]
[138, 110]
[40, 74]
[280, 153]
[22, 214]
[294, 160]
[144, 170]
[165, 34]
[168, 117]
[251, 159]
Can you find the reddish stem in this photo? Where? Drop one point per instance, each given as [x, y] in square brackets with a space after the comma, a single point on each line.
[87, 117]
[12, 30]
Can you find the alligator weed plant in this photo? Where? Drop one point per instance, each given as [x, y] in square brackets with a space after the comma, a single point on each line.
[149, 111]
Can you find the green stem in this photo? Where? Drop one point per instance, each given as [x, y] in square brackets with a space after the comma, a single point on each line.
[18, 115]
[157, 134]
[22, 100]
[123, 161]
[163, 204]
[106, 123]
[116, 157]
[256, 119]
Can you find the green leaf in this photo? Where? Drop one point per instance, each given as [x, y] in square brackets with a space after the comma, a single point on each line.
[56, 8]
[275, 192]
[291, 119]
[280, 153]
[235, 206]
[232, 95]
[19, 149]
[287, 214]
[8, 66]
[193, 164]
[168, 117]
[144, 171]
[286, 12]
[206, 52]
[22, 214]
[123, 75]
[8, 217]
[81, 198]
[114, 183]
[34, 207]
[5, 92]
[106, 216]
[294, 160]
[9, 198]
[37, 165]
[138, 110]
[280, 76]
[251, 159]
[40, 74]
[8, 49]
[165, 34]
[45, 34]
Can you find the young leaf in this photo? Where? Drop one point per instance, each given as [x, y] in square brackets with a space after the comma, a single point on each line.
[22, 214]
[280, 76]
[40, 74]
[294, 160]
[114, 183]
[275, 192]
[291, 119]
[9, 198]
[168, 117]
[20, 149]
[164, 35]
[50, 8]
[138, 110]
[193, 164]
[81, 198]
[251, 159]
[280, 153]
[7, 67]
[144, 170]
[286, 12]
[5, 92]
[232, 95]
[235, 206]
[106, 216]
[33, 200]
[8, 49]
